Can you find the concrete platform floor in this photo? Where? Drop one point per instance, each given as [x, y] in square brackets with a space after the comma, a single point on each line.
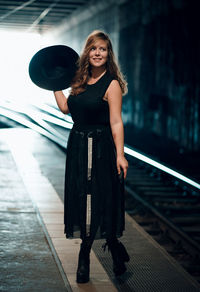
[27, 262]
[36, 256]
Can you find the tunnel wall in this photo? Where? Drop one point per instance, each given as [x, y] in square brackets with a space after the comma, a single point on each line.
[158, 49]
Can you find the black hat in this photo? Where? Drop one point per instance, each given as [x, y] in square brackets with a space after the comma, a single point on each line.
[54, 67]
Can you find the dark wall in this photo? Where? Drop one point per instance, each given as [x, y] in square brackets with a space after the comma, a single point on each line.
[159, 50]
[158, 45]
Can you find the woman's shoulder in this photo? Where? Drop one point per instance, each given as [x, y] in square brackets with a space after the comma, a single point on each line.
[114, 85]
[113, 88]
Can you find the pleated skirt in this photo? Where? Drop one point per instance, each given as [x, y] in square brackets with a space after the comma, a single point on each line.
[94, 191]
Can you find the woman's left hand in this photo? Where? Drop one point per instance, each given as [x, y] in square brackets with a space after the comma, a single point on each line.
[122, 163]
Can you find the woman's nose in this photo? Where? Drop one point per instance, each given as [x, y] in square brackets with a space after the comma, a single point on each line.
[97, 52]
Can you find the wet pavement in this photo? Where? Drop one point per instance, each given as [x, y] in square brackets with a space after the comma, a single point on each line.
[27, 263]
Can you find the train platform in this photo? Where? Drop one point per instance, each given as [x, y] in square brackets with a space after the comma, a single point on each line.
[36, 256]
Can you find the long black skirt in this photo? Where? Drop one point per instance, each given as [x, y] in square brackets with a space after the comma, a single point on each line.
[94, 191]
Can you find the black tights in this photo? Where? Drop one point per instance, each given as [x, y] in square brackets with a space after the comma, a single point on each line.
[88, 241]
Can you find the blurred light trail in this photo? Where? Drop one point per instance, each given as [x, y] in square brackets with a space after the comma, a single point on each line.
[160, 166]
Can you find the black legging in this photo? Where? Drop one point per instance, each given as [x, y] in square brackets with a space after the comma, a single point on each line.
[88, 241]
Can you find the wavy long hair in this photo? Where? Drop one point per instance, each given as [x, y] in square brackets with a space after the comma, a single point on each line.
[83, 73]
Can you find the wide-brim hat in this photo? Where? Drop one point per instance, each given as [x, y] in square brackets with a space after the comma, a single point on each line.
[54, 67]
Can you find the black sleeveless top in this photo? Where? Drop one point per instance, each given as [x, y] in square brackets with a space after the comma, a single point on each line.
[89, 107]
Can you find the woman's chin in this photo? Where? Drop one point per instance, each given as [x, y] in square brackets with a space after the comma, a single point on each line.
[97, 65]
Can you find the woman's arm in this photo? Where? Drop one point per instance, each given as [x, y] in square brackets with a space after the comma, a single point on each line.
[61, 101]
[114, 97]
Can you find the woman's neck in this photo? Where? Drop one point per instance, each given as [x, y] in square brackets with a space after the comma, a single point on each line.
[97, 72]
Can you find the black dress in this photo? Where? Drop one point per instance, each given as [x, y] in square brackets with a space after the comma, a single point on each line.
[94, 192]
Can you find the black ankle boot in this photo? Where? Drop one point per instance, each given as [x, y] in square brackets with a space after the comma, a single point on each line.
[119, 256]
[83, 270]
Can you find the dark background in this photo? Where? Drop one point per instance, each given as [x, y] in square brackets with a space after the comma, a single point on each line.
[157, 43]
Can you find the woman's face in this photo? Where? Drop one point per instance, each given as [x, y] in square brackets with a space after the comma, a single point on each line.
[98, 54]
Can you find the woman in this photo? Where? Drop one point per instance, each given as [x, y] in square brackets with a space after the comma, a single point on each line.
[96, 166]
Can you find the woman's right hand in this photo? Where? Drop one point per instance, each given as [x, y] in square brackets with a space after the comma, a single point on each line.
[61, 101]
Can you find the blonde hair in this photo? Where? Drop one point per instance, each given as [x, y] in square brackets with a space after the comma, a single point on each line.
[82, 75]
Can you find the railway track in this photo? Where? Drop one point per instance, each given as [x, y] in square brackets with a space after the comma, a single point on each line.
[167, 208]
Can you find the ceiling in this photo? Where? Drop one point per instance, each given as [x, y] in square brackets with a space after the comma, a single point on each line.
[36, 15]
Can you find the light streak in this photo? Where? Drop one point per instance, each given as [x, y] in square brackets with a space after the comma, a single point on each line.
[160, 166]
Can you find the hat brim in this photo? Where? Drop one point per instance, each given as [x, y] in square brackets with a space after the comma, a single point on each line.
[54, 67]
